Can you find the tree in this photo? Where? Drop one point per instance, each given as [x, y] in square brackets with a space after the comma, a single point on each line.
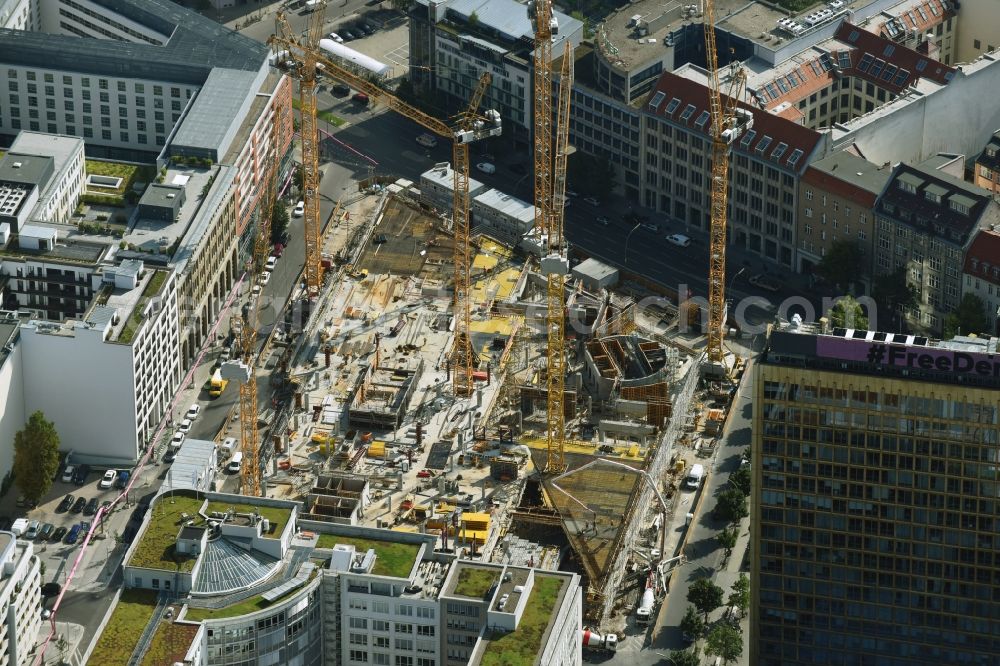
[279, 222]
[740, 596]
[473, 19]
[705, 595]
[891, 291]
[724, 641]
[842, 264]
[692, 626]
[297, 178]
[968, 317]
[36, 457]
[848, 313]
[741, 480]
[684, 658]
[727, 539]
[731, 506]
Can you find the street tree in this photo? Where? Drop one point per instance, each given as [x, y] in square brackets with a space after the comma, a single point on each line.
[740, 596]
[727, 539]
[724, 641]
[705, 595]
[741, 480]
[968, 317]
[685, 658]
[731, 506]
[891, 291]
[36, 457]
[692, 626]
[848, 313]
[842, 263]
[279, 222]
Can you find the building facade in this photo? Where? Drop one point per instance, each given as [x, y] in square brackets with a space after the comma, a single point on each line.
[924, 221]
[873, 509]
[981, 275]
[987, 169]
[21, 599]
[836, 203]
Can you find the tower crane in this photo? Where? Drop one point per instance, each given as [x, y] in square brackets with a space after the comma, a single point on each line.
[471, 126]
[554, 263]
[728, 123]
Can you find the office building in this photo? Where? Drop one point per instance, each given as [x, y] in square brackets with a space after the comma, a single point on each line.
[981, 275]
[925, 220]
[339, 594]
[874, 458]
[20, 599]
[836, 202]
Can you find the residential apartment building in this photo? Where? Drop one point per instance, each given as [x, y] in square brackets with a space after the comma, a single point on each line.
[874, 500]
[20, 599]
[924, 221]
[345, 596]
[986, 173]
[57, 198]
[836, 203]
[452, 42]
[981, 275]
[764, 168]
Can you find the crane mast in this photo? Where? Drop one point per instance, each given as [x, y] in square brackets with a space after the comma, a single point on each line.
[471, 126]
[725, 128]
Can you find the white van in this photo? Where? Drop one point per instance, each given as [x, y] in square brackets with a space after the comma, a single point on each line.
[228, 446]
[236, 463]
[694, 477]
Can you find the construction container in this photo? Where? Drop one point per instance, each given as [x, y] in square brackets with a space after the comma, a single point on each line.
[376, 449]
[476, 521]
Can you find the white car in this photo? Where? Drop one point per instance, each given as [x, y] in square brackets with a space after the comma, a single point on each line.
[337, 38]
[67, 476]
[592, 201]
[107, 480]
[571, 193]
[271, 262]
[300, 209]
[265, 277]
[255, 292]
[764, 282]
[185, 426]
[193, 412]
[486, 167]
[679, 239]
[177, 439]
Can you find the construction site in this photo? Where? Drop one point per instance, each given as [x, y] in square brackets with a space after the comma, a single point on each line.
[519, 405]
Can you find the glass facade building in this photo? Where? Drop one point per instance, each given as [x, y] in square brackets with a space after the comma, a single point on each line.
[875, 502]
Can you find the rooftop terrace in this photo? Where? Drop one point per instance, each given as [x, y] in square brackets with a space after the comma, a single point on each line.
[473, 581]
[521, 647]
[391, 558]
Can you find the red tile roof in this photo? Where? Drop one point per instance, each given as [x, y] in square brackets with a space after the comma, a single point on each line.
[886, 63]
[782, 141]
[982, 259]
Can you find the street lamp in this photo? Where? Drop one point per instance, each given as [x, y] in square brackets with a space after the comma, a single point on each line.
[733, 279]
[628, 237]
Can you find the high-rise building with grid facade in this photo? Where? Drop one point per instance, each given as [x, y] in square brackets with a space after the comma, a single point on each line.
[875, 532]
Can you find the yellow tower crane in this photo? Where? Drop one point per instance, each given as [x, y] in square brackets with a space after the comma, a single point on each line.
[471, 126]
[554, 263]
[728, 123]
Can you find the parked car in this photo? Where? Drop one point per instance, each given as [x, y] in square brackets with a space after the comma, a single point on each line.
[68, 474]
[193, 412]
[679, 239]
[335, 37]
[366, 28]
[177, 439]
[107, 480]
[572, 193]
[265, 277]
[32, 530]
[73, 534]
[91, 507]
[340, 90]
[170, 455]
[58, 534]
[486, 167]
[81, 474]
[765, 282]
[593, 201]
[603, 221]
[45, 531]
[272, 261]
[360, 98]
[79, 505]
[185, 426]
[51, 589]
[381, 238]
[66, 504]
[300, 209]
[122, 480]
[348, 35]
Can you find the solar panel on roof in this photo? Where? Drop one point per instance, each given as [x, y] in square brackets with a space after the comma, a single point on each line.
[844, 59]
[866, 62]
[794, 158]
[901, 78]
[889, 72]
[876, 68]
[674, 103]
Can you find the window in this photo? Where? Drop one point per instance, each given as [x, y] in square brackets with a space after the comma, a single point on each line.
[358, 623]
[402, 660]
[359, 639]
[359, 655]
[932, 196]
[404, 643]
[976, 44]
[809, 212]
